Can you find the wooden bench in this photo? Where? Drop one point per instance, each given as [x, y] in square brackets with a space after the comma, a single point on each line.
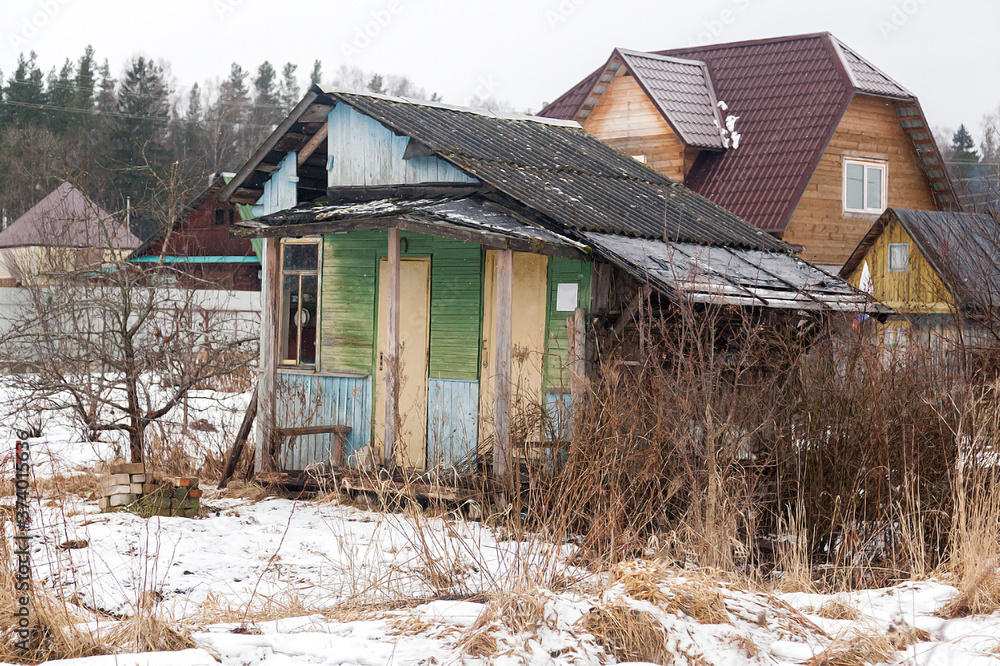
[340, 433]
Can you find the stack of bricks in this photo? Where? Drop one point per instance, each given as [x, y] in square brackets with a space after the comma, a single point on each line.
[171, 496]
[122, 486]
[127, 485]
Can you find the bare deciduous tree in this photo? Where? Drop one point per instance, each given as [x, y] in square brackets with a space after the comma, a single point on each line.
[116, 343]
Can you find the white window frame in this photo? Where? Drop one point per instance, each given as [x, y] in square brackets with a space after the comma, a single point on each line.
[884, 166]
[888, 257]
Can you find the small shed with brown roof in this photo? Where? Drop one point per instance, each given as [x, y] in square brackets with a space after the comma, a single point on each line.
[64, 230]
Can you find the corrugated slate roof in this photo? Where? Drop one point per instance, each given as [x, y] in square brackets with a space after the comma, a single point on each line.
[67, 218]
[789, 94]
[564, 173]
[962, 248]
[682, 90]
[735, 277]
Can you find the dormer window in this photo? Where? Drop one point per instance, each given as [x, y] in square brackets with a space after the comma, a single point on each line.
[864, 186]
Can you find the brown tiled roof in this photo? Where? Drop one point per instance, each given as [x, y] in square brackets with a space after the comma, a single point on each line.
[682, 91]
[789, 94]
[67, 218]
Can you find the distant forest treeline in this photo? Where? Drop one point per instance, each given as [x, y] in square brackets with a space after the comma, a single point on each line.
[115, 135]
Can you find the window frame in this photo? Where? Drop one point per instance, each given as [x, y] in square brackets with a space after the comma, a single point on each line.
[283, 323]
[228, 217]
[888, 258]
[866, 164]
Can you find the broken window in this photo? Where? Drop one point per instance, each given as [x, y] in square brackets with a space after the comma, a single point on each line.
[899, 256]
[299, 301]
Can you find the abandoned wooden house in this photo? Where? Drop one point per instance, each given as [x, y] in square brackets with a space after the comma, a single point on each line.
[800, 135]
[940, 274]
[425, 267]
[63, 232]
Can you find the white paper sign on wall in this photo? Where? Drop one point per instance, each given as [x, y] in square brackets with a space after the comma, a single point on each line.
[567, 296]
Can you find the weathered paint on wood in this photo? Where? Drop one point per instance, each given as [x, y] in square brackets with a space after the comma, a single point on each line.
[389, 359]
[267, 390]
[281, 190]
[314, 400]
[348, 321]
[365, 152]
[563, 271]
[917, 290]
[869, 129]
[452, 420]
[501, 363]
[409, 447]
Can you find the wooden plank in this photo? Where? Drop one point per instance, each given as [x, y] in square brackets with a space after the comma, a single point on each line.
[407, 489]
[312, 430]
[240, 442]
[578, 357]
[392, 352]
[501, 363]
[269, 350]
[313, 143]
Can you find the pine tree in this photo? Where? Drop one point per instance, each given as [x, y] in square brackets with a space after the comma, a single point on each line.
[316, 76]
[266, 107]
[25, 94]
[139, 131]
[84, 84]
[963, 147]
[62, 96]
[288, 92]
[229, 118]
[376, 84]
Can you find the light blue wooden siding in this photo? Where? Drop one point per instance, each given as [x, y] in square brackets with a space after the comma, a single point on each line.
[363, 151]
[452, 421]
[323, 400]
[281, 189]
[559, 410]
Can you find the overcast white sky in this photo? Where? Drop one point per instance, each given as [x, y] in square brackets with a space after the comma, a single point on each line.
[522, 51]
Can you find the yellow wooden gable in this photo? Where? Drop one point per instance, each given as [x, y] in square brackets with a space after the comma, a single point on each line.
[916, 290]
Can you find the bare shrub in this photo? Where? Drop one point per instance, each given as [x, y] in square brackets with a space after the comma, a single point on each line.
[627, 633]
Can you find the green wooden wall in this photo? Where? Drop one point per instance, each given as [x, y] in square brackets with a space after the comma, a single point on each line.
[562, 270]
[350, 279]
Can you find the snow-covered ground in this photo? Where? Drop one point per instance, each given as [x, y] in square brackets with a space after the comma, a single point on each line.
[278, 581]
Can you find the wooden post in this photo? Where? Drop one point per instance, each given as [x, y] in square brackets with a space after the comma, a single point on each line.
[241, 438]
[501, 363]
[269, 350]
[577, 330]
[392, 352]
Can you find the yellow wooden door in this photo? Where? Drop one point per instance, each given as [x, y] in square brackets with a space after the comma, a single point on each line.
[414, 336]
[527, 336]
